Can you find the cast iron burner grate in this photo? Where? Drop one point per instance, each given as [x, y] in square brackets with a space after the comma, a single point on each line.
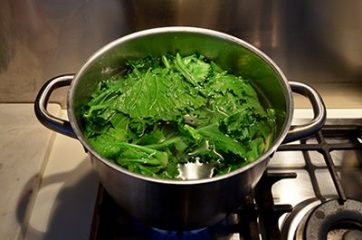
[326, 217]
[258, 216]
[326, 141]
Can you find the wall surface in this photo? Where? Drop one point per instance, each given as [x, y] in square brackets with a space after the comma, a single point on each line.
[312, 41]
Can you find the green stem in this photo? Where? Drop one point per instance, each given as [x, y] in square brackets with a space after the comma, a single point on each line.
[163, 144]
[180, 66]
[166, 62]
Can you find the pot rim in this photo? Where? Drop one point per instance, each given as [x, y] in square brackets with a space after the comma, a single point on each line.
[176, 29]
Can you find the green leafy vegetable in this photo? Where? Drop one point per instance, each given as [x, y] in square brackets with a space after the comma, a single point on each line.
[171, 110]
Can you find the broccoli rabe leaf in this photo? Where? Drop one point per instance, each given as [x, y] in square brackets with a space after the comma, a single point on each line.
[194, 69]
[221, 141]
[166, 111]
[164, 94]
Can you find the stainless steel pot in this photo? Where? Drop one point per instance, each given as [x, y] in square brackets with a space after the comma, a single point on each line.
[172, 204]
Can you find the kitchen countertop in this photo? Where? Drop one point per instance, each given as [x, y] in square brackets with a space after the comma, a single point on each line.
[23, 152]
[41, 173]
[64, 205]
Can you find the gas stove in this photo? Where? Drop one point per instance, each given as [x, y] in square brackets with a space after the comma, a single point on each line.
[311, 190]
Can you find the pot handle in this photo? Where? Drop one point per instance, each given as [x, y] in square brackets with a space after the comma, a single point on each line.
[40, 106]
[319, 109]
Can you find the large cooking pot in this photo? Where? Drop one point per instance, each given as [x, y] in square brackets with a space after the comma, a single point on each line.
[175, 204]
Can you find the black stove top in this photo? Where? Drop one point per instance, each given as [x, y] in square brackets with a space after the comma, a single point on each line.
[311, 190]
